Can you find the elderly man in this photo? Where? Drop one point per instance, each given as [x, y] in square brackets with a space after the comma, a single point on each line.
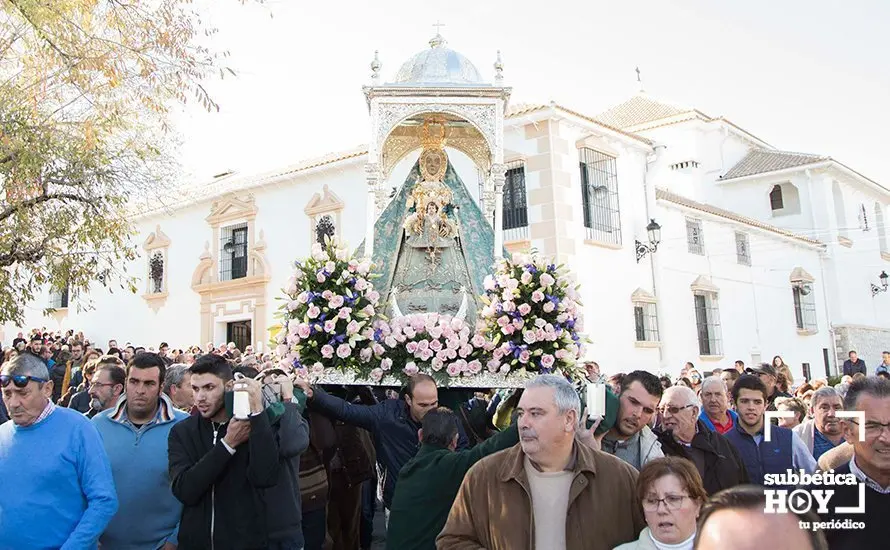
[561, 494]
[135, 433]
[58, 490]
[177, 386]
[824, 432]
[870, 466]
[684, 435]
[716, 416]
[631, 439]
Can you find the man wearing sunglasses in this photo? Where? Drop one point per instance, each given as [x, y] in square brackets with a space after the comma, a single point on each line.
[58, 490]
[683, 434]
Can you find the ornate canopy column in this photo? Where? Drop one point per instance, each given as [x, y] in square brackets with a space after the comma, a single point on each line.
[372, 175]
[498, 177]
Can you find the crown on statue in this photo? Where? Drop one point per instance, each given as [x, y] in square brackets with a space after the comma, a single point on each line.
[432, 135]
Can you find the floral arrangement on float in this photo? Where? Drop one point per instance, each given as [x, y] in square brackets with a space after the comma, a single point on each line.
[532, 317]
[333, 328]
[329, 312]
[447, 348]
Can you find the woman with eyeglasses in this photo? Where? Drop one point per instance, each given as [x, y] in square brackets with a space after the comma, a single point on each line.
[671, 492]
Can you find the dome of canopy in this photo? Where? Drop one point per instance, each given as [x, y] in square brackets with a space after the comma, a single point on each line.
[438, 66]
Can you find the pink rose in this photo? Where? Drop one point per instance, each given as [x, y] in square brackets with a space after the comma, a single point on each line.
[493, 366]
[435, 332]
[541, 322]
[303, 330]
[561, 354]
[344, 313]
[361, 284]
[410, 368]
[352, 327]
[330, 325]
[327, 294]
[292, 305]
[524, 356]
[547, 361]
[537, 296]
[508, 306]
[518, 324]
[436, 345]
[524, 309]
[378, 350]
[478, 340]
[366, 354]
[465, 351]
[368, 310]
[423, 344]
[344, 351]
[410, 332]
[303, 297]
[335, 301]
[327, 351]
[373, 296]
[508, 330]
[376, 375]
[503, 320]
[313, 312]
[453, 370]
[505, 369]
[474, 367]
[437, 364]
[320, 278]
[507, 295]
[426, 355]
[548, 307]
[386, 363]
[330, 267]
[529, 337]
[390, 341]
[547, 280]
[411, 347]
[526, 277]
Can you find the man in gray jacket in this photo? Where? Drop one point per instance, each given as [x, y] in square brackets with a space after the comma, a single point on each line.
[631, 439]
[824, 432]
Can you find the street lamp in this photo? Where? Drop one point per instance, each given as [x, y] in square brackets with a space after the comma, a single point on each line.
[653, 231]
[229, 247]
[875, 289]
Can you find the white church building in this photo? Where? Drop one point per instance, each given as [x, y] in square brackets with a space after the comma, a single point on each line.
[693, 239]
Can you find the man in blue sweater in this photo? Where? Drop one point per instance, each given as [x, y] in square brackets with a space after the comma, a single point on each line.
[135, 433]
[58, 491]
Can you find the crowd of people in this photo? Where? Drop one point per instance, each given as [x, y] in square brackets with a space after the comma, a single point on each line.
[219, 448]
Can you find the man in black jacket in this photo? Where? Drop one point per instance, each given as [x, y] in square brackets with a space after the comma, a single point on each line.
[683, 434]
[219, 465]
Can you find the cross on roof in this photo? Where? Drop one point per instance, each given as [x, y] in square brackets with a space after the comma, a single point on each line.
[438, 26]
[639, 79]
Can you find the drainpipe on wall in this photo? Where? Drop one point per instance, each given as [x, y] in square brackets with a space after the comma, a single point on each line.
[659, 309]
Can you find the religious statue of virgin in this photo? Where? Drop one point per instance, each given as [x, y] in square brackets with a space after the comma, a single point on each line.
[431, 273]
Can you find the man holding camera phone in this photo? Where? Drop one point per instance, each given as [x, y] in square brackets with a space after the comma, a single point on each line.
[220, 465]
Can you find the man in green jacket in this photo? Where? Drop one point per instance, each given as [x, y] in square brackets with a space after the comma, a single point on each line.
[429, 482]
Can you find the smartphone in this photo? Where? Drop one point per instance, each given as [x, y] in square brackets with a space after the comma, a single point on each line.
[596, 401]
[229, 398]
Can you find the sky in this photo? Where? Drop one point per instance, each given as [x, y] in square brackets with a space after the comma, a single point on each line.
[802, 75]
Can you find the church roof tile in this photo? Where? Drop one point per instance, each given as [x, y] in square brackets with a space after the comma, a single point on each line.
[680, 200]
[761, 161]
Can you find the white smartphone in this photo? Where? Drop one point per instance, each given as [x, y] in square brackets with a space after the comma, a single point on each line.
[596, 401]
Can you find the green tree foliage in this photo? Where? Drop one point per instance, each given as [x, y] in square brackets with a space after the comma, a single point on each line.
[86, 88]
